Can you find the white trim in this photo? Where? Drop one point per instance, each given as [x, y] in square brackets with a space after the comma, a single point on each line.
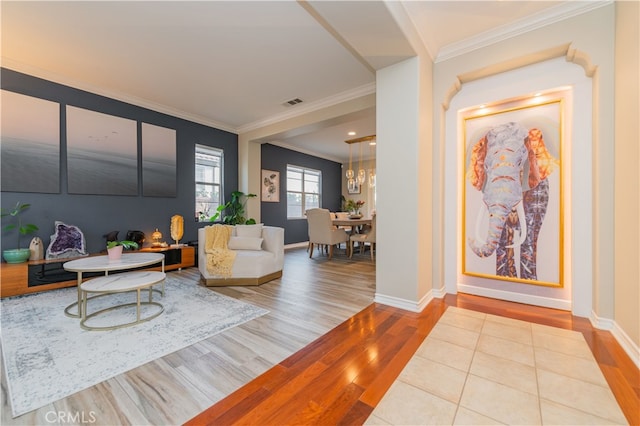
[407, 305]
[305, 151]
[118, 96]
[601, 323]
[627, 344]
[538, 20]
[306, 108]
[330, 101]
[439, 293]
[529, 299]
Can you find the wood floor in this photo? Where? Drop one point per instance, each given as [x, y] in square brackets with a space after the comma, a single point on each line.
[325, 354]
[342, 376]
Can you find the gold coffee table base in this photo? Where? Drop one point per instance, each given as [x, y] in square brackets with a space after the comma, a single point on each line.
[121, 283]
[127, 324]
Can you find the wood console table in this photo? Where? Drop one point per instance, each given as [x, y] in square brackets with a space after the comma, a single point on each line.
[42, 275]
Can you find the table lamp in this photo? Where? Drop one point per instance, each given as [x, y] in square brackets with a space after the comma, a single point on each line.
[156, 237]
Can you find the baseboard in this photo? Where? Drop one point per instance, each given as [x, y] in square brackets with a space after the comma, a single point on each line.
[439, 293]
[528, 299]
[405, 304]
[623, 339]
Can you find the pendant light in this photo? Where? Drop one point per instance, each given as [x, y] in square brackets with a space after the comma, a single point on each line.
[362, 174]
[372, 170]
[351, 183]
[361, 177]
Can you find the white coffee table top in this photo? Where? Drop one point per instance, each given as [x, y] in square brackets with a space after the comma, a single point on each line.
[123, 282]
[102, 263]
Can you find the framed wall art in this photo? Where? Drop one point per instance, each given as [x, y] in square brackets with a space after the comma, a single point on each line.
[102, 153]
[30, 144]
[158, 161]
[512, 194]
[270, 186]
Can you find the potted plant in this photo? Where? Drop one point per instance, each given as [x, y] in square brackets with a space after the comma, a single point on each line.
[114, 248]
[353, 207]
[18, 255]
[234, 210]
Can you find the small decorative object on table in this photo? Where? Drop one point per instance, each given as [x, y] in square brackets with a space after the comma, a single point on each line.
[156, 237]
[177, 228]
[353, 207]
[114, 248]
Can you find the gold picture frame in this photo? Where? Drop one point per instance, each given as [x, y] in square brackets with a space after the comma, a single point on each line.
[512, 215]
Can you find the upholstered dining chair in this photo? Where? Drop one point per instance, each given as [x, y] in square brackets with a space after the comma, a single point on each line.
[366, 237]
[322, 232]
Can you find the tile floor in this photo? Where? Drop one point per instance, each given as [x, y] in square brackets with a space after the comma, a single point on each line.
[476, 368]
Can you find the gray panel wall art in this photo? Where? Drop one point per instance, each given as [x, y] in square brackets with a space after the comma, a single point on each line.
[158, 161]
[102, 153]
[30, 144]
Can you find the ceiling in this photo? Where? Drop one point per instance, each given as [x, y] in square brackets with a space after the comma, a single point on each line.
[235, 64]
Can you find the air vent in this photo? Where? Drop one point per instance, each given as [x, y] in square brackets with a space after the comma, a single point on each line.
[293, 102]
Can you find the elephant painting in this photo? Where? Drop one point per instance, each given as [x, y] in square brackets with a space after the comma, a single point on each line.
[510, 165]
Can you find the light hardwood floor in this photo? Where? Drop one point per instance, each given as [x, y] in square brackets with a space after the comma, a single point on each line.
[323, 355]
[312, 297]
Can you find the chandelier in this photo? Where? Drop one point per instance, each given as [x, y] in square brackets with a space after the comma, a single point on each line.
[361, 176]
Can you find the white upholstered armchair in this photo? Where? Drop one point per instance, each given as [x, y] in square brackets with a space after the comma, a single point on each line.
[322, 232]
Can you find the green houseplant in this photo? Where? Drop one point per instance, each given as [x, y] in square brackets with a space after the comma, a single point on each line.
[234, 210]
[19, 254]
[114, 248]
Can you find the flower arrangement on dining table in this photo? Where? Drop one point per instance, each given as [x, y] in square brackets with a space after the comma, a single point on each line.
[354, 206]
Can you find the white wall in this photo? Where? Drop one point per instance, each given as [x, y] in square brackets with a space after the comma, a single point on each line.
[593, 34]
[627, 178]
[404, 184]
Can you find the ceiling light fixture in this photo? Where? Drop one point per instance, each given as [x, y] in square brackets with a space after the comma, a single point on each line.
[362, 174]
[351, 183]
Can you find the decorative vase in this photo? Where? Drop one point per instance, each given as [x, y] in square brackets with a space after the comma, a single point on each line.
[16, 255]
[115, 253]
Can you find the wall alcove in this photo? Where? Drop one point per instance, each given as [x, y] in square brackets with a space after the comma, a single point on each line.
[559, 68]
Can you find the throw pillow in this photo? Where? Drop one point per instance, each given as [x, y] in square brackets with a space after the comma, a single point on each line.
[67, 241]
[244, 243]
[251, 231]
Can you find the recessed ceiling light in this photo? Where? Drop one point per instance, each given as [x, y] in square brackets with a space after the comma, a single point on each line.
[351, 133]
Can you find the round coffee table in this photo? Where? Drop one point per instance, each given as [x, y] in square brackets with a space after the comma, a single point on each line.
[104, 264]
[121, 283]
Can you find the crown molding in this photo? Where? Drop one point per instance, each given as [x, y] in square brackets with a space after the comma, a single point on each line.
[302, 109]
[538, 20]
[305, 151]
[123, 97]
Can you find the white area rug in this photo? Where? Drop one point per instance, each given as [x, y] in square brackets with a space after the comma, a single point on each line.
[47, 355]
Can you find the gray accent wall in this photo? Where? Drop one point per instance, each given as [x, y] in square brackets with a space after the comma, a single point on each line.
[275, 214]
[96, 215]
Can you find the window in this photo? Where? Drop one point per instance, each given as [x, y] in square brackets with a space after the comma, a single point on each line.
[303, 190]
[209, 167]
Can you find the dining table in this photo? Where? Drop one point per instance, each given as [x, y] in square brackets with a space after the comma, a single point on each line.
[355, 224]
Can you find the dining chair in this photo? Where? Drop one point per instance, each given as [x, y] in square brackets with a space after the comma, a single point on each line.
[368, 236]
[322, 232]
